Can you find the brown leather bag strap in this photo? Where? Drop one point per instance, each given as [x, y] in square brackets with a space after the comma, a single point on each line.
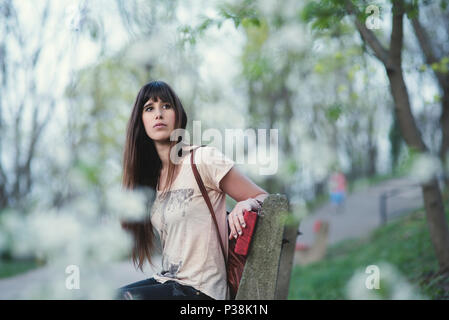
[206, 197]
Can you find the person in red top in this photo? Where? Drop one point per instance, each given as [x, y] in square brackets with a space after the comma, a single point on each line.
[337, 188]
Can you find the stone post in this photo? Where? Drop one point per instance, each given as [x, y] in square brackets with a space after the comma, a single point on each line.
[260, 276]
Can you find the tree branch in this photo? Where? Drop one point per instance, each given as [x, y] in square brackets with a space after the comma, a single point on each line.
[369, 37]
[397, 34]
[427, 49]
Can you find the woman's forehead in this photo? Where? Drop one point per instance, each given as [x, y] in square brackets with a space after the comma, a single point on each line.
[155, 99]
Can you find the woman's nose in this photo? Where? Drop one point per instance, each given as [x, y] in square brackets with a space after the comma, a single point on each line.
[158, 113]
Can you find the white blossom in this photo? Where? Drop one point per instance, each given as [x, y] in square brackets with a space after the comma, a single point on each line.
[392, 285]
[424, 167]
[128, 204]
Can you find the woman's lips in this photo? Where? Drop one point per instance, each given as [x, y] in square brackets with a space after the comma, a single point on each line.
[160, 126]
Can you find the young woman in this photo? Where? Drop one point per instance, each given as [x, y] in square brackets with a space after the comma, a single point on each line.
[193, 265]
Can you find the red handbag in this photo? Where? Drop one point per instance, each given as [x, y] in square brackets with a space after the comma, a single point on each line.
[243, 242]
[235, 262]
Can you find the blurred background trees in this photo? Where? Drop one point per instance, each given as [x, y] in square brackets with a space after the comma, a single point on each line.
[391, 58]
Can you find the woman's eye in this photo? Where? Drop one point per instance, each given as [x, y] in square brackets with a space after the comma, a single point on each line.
[151, 108]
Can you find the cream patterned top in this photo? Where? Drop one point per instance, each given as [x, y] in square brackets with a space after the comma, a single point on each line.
[191, 253]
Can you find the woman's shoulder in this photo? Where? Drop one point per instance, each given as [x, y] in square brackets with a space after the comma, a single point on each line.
[214, 164]
[197, 148]
[208, 154]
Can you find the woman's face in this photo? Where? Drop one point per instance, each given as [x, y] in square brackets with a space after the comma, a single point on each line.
[155, 112]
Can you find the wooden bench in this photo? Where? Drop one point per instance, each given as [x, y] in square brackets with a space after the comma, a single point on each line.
[269, 263]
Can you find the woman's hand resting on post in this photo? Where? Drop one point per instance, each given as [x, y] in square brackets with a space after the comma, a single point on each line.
[235, 218]
[248, 195]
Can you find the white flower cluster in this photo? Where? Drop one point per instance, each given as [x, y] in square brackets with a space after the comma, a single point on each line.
[424, 167]
[85, 232]
[76, 15]
[129, 205]
[391, 285]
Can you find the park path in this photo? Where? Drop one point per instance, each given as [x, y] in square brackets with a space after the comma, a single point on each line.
[361, 212]
[361, 216]
[117, 275]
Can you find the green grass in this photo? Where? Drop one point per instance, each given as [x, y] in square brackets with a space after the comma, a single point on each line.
[9, 268]
[404, 243]
[317, 202]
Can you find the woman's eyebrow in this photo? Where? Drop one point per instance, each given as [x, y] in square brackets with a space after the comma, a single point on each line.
[150, 103]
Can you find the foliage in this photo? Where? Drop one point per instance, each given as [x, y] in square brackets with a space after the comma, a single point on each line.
[242, 13]
[9, 268]
[404, 243]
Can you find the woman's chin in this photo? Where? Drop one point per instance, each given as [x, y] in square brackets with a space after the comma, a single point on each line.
[161, 138]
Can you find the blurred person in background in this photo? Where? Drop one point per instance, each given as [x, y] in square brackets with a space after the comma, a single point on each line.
[337, 190]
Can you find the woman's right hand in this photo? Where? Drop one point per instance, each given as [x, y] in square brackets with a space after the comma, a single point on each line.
[235, 218]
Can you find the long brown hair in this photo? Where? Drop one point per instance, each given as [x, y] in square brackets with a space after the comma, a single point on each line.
[142, 164]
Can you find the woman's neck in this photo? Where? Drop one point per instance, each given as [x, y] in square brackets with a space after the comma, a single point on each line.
[163, 150]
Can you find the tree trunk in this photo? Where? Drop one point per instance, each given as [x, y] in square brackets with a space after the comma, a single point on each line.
[431, 56]
[444, 123]
[433, 202]
[437, 222]
[396, 143]
[372, 148]
[436, 218]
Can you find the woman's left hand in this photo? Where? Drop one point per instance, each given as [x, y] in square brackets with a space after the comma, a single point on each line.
[235, 218]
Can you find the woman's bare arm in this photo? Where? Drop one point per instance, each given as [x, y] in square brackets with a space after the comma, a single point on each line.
[239, 187]
[246, 193]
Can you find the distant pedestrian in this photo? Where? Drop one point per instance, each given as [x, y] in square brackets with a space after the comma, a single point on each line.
[337, 189]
